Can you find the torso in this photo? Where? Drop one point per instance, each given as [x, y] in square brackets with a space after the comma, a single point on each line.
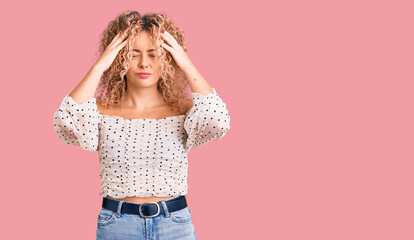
[160, 112]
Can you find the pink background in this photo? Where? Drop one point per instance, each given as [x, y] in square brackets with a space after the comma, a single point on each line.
[320, 95]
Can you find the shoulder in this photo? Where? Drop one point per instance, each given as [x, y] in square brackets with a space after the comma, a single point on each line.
[186, 104]
[100, 107]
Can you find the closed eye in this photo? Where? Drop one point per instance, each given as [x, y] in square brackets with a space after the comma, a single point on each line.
[150, 56]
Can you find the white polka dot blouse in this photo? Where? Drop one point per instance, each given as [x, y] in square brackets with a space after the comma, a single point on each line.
[142, 157]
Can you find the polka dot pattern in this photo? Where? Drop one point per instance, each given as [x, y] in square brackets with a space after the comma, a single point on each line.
[78, 124]
[208, 119]
[142, 157]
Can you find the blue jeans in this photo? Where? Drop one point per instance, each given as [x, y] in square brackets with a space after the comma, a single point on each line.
[115, 225]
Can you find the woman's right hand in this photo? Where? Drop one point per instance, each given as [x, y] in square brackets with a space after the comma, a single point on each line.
[111, 51]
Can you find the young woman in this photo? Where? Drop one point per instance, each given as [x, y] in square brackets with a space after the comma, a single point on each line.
[143, 126]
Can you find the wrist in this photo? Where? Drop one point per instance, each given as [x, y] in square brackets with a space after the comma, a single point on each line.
[97, 67]
[189, 68]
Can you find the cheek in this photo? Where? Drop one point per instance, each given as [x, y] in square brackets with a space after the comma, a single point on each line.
[157, 68]
[130, 70]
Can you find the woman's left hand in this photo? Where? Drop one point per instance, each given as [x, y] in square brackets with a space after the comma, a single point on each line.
[178, 53]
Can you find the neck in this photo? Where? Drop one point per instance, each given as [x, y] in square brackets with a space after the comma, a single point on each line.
[142, 98]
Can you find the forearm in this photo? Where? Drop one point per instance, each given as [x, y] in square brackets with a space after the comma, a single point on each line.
[87, 87]
[197, 83]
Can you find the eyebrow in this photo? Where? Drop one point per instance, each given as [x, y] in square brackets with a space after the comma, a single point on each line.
[136, 50]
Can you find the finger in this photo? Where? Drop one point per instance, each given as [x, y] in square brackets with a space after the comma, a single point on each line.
[167, 43]
[167, 33]
[121, 45]
[170, 39]
[119, 38]
[123, 35]
[170, 49]
[124, 42]
[166, 36]
[120, 35]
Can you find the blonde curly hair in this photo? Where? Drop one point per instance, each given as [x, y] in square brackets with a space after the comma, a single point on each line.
[173, 82]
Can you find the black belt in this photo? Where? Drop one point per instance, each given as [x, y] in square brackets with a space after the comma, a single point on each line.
[146, 210]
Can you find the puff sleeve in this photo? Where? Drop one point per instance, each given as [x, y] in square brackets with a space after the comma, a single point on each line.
[208, 119]
[78, 124]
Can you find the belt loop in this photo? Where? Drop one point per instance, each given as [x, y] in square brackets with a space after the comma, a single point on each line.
[118, 211]
[164, 205]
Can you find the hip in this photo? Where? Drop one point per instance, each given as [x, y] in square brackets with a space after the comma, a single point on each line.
[170, 223]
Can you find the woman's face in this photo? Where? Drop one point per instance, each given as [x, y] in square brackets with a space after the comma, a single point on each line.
[142, 61]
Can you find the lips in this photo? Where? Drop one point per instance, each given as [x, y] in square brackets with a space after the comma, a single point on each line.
[143, 74]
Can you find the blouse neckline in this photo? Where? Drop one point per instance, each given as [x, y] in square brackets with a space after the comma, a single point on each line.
[144, 119]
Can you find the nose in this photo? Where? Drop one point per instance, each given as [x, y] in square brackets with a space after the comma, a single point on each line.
[143, 64]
